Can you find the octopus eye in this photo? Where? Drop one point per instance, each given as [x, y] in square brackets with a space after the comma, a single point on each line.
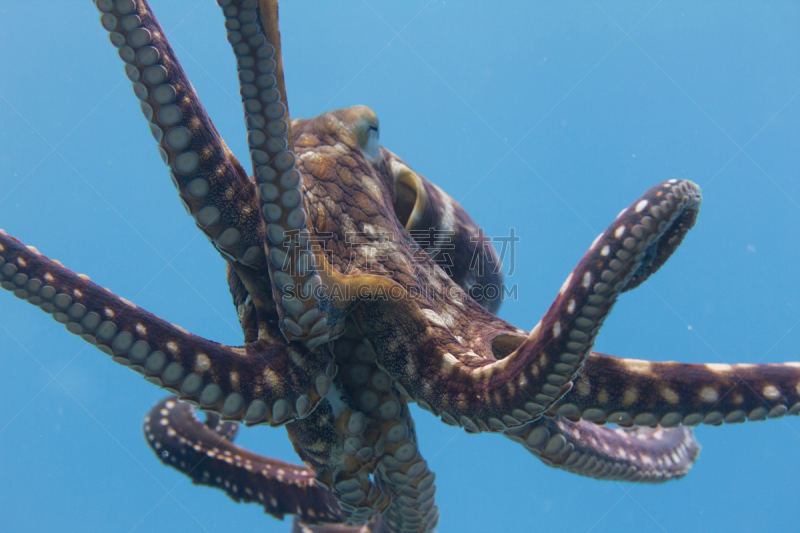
[368, 139]
[362, 122]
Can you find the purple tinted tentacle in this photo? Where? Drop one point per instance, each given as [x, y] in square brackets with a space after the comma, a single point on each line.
[209, 458]
[645, 393]
[529, 375]
[260, 383]
[643, 454]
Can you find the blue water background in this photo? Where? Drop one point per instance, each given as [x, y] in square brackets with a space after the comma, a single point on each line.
[544, 117]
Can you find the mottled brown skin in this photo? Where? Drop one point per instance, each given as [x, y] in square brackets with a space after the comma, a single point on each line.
[387, 318]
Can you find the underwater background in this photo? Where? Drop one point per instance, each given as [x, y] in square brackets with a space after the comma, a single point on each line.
[548, 118]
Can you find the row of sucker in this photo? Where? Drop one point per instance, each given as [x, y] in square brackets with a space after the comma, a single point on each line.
[291, 263]
[529, 375]
[206, 453]
[354, 458]
[382, 443]
[640, 455]
[539, 372]
[412, 488]
[257, 384]
[562, 340]
[213, 187]
[632, 392]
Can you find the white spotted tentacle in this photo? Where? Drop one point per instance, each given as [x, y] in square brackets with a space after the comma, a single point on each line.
[233, 382]
[206, 175]
[556, 349]
[530, 375]
[632, 392]
[210, 458]
[375, 465]
[256, 43]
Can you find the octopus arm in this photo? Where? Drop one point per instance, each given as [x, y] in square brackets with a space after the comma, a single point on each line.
[524, 377]
[650, 455]
[369, 458]
[260, 383]
[211, 182]
[209, 457]
[254, 34]
[643, 393]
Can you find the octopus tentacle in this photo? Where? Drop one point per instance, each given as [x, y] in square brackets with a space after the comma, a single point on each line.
[358, 449]
[532, 373]
[329, 441]
[363, 447]
[210, 458]
[412, 488]
[644, 393]
[389, 437]
[254, 33]
[247, 312]
[223, 428]
[642, 454]
[211, 183]
[556, 348]
[259, 383]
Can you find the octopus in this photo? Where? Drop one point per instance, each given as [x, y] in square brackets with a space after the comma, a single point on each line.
[655, 403]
